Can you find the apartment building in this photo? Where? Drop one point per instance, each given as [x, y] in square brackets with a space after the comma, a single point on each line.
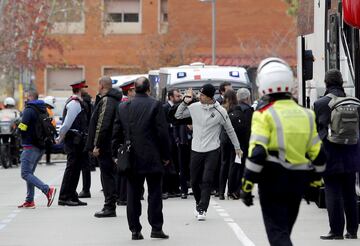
[114, 37]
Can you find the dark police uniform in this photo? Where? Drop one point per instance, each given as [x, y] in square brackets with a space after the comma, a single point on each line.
[73, 133]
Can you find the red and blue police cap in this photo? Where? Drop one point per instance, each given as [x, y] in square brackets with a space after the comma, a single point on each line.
[128, 85]
[79, 84]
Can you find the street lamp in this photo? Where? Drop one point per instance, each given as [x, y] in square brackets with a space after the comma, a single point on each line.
[213, 3]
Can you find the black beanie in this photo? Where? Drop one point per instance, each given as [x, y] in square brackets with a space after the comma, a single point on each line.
[208, 90]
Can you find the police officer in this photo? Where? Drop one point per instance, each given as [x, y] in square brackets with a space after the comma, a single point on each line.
[284, 150]
[73, 134]
[128, 90]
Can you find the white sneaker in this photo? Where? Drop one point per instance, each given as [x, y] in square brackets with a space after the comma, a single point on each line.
[201, 216]
[196, 213]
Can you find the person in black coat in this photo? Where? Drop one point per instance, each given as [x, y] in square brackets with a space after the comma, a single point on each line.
[171, 180]
[144, 119]
[341, 167]
[100, 133]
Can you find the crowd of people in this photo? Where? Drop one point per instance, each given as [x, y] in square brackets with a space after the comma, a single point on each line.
[205, 143]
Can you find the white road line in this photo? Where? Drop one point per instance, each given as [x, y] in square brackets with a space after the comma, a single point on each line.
[2, 226]
[12, 216]
[15, 212]
[239, 233]
[224, 214]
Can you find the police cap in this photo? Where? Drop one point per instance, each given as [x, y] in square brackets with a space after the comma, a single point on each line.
[79, 84]
[128, 85]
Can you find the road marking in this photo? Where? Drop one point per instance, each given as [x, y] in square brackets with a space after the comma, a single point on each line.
[15, 212]
[12, 216]
[239, 233]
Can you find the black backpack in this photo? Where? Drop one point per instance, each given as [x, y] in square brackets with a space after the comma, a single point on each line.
[241, 120]
[45, 132]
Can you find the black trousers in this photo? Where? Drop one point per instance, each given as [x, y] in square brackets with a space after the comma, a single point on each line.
[121, 190]
[86, 174]
[280, 192]
[230, 172]
[171, 179]
[135, 188]
[202, 172]
[72, 175]
[108, 180]
[184, 164]
[341, 198]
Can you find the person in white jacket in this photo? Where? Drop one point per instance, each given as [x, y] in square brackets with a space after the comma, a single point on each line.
[208, 117]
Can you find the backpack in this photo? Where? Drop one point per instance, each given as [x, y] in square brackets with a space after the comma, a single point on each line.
[45, 132]
[241, 120]
[344, 124]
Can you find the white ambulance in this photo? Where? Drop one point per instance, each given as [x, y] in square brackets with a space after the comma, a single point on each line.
[197, 74]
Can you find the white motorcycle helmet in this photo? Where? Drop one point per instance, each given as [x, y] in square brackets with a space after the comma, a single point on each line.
[274, 75]
[9, 101]
[50, 100]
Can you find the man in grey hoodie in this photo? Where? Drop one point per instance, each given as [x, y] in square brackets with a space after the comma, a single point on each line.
[208, 117]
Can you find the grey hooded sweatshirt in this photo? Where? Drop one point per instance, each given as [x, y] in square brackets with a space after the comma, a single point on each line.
[208, 119]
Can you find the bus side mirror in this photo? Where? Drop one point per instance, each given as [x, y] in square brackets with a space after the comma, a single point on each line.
[308, 61]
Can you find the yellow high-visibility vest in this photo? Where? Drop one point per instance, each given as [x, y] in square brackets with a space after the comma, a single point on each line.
[288, 129]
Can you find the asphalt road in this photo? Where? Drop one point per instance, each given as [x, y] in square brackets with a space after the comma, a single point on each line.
[228, 222]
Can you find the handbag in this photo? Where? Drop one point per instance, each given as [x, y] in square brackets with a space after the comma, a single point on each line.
[123, 164]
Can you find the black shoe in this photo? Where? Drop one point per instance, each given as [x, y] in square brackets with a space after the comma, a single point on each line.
[350, 236]
[84, 194]
[332, 236]
[80, 203]
[184, 196]
[234, 196]
[136, 236]
[105, 213]
[221, 197]
[159, 234]
[165, 196]
[67, 203]
[121, 203]
[216, 194]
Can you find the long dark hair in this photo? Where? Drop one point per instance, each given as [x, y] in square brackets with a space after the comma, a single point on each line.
[230, 100]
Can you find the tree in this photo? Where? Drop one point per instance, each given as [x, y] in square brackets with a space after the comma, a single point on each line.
[293, 7]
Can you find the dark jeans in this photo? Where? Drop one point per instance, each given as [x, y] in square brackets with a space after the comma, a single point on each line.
[341, 198]
[108, 180]
[135, 188]
[230, 172]
[202, 172]
[280, 192]
[72, 175]
[86, 174]
[184, 164]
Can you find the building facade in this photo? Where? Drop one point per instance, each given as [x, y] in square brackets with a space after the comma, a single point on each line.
[114, 37]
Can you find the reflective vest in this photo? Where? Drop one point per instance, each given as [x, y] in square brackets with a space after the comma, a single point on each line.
[288, 133]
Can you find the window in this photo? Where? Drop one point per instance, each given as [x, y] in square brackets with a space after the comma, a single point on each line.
[68, 16]
[163, 24]
[122, 10]
[59, 79]
[122, 16]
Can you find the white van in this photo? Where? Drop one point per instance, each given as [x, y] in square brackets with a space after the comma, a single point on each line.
[118, 81]
[197, 74]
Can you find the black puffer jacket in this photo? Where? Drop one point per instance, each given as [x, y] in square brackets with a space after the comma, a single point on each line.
[340, 158]
[102, 120]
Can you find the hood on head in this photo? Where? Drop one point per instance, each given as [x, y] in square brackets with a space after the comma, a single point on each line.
[40, 104]
[115, 94]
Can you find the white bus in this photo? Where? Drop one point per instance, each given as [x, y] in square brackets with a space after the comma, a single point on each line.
[197, 74]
